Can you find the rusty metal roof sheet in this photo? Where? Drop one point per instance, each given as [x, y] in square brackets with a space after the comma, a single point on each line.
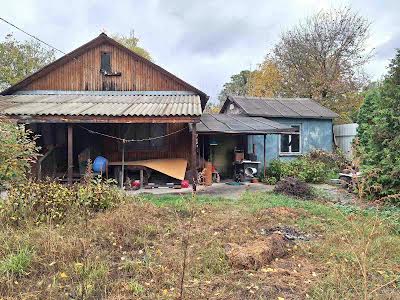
[239, 124]
[162, 105]
[281, 107]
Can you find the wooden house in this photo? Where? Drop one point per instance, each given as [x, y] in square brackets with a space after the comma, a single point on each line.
[92, 100]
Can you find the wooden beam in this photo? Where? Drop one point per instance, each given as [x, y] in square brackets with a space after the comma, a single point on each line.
[70, 153]
[104, 119]
[193, 161]
[141, 178]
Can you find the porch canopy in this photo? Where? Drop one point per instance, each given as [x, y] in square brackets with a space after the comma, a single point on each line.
[102, 106]
[239, 124]
[112, 107]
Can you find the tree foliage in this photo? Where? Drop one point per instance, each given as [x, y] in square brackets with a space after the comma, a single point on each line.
[131, 42]
[18, 150]
[20, 59]
[238, 86]
[266, 81]
[323, 56]
[379, 138]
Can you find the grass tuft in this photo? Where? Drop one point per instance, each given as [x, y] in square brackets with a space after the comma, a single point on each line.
[18, 263]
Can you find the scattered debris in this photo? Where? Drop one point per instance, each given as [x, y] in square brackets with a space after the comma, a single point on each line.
[258, 253]
[288, 232]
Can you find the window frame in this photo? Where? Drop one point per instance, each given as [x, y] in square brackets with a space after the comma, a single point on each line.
[105, 53]
[290, 153]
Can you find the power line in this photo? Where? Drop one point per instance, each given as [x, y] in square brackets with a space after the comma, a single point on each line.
[132, 140]
[31, 35]
[45, 43]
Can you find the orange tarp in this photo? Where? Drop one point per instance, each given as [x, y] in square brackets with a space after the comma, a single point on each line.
[174, 167]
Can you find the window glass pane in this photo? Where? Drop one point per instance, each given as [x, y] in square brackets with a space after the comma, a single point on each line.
[106, 62]
[295, 143]
[284, 142]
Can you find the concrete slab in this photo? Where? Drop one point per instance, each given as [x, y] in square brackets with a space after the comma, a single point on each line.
[216, 189]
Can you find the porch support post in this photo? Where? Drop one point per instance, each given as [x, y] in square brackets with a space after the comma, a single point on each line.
[70, 154]
[193, 162]
[265, 167]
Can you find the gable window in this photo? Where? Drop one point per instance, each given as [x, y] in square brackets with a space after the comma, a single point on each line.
[105, 63]
[291, 143]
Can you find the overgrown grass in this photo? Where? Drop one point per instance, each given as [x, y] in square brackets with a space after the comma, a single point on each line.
[359, 247]
[135, 251]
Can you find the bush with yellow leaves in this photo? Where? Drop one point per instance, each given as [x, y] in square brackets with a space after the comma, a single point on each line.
[50, 201]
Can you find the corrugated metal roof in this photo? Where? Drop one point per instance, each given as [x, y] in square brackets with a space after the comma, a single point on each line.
[282, 107]
[170, 104]
[223, 123]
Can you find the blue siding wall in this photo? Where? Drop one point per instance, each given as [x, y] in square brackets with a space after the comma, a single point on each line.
[315, 134]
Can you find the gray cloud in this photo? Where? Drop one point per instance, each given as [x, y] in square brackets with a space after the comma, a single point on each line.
[388, 49]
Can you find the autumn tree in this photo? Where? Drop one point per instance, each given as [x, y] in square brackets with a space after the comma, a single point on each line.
[131, 42]
[323, 57]
[266, 81]
[238, 86]
[19, 59]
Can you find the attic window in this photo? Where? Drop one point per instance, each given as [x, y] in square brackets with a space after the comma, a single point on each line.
[105, 67]
[105, 63]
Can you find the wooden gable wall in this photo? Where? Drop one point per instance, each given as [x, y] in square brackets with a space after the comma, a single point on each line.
[83, 73]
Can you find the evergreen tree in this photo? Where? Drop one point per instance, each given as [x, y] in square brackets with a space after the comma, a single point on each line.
[379, 137]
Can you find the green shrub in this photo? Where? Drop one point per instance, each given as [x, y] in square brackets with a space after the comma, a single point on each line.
[304, 168]
[40, 201]
[17, 151]
[269, 180]
[275, 169]
[47, 201]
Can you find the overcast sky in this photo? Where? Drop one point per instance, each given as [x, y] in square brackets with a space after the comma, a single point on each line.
[203, 42]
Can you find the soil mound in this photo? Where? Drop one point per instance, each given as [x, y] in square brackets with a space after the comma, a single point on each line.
[258, 253]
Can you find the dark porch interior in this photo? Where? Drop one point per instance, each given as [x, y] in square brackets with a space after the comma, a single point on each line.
[89, 140]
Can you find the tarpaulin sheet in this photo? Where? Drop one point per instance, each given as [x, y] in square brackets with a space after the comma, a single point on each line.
[173, 167]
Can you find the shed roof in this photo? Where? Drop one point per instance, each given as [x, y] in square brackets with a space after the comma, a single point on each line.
[237, 124]
[113, 104]
[280, 107]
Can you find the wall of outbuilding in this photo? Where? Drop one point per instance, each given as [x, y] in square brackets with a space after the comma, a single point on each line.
[315, 134]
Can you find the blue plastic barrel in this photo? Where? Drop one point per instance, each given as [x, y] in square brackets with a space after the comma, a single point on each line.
[100, 164]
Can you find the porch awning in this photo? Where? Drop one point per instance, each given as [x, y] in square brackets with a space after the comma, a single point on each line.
[237, 124]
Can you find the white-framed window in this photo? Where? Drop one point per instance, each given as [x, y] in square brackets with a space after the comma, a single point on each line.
[290, 144]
